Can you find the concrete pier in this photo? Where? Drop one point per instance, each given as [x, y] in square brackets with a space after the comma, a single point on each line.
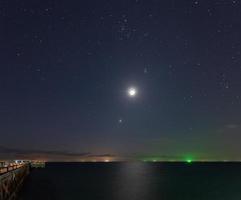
[12, 176]
[11, 180]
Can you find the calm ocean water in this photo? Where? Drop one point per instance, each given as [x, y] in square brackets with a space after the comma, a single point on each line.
[134, 181]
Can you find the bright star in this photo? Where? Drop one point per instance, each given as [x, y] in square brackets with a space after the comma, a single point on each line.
[132, 92]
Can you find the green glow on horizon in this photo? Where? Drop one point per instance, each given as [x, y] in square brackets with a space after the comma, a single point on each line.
[189, 160]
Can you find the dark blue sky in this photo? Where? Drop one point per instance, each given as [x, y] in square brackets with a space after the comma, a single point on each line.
[66, 66]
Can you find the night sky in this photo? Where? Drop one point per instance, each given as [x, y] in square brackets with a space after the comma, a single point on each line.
[66, 68]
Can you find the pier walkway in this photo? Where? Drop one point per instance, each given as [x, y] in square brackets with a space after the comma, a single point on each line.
[12, 176]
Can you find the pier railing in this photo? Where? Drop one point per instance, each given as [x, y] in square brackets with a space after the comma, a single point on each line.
[11, 179]
[9, 168]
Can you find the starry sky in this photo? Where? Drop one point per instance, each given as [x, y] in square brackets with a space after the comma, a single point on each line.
[66, 67]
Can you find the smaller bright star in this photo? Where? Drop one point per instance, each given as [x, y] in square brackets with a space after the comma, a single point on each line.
[132, 92]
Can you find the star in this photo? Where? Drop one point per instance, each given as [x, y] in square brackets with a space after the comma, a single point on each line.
[145, 70]
[132, 92]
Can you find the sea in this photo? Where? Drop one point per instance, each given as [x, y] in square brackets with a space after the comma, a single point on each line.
[134, 181]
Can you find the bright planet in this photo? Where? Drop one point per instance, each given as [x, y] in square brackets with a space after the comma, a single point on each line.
[132, 91]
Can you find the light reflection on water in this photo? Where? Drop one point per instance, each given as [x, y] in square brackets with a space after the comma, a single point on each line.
[134, 181]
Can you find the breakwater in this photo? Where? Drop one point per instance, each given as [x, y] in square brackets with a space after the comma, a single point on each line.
[12, 177]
